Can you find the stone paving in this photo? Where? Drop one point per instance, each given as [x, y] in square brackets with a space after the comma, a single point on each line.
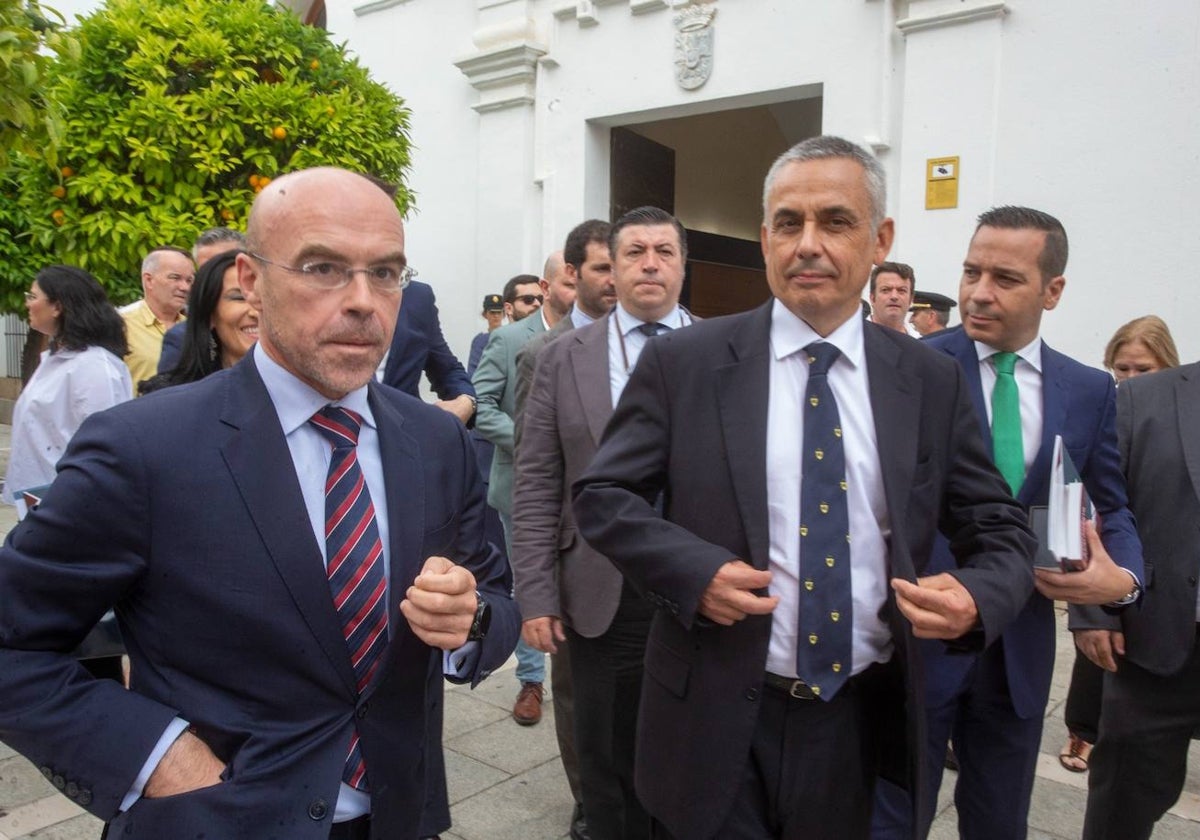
[506, 782]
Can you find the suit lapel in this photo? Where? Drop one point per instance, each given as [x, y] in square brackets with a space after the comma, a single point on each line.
[401, 460]
[1187, 402]
[896, 408]
[963, 350]
[743, 391]
[589, 363]
[1055, 393]
[260, 462]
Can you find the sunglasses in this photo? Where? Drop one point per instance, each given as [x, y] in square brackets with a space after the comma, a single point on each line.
[529, 300]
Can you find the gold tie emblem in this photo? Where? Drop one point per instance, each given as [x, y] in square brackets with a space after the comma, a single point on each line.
[837, 432]
[816, 690]
[835, 616]
[837, 667]
[843, 486]
[820, 453]
[829, 562]
[804, 530]
[812, 638]
[824, 507]
[808, 584]
[814, 402]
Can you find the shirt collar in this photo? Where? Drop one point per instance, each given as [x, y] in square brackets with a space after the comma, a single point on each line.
[627, 323]
[545, 323]
[790, 334]
[1031, 352]
[146, 315]
[579, 318]
[296, 401]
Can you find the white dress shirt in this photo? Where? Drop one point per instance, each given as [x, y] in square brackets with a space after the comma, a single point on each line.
[579, 318]
[869, 524]
[66, 387]
[625, 343]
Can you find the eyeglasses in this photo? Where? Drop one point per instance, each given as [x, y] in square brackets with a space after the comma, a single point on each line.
[529, 300]
[31, 296]
[331, 275]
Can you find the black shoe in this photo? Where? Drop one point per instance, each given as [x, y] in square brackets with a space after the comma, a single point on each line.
[579, 828]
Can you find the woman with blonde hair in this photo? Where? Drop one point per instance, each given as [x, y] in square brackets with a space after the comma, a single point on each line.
[1144, 345]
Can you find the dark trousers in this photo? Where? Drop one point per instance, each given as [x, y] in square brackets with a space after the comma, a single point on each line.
[562, 689]
[1140, 761]
[607, 676]
[997, 758]
[813, 763]
[1082, 710]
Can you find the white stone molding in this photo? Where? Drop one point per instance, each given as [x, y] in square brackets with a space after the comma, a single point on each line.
[363, 9]
[505, 76]
[952, 17]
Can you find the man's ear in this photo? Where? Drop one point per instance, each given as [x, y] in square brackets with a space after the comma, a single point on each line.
[248, 277]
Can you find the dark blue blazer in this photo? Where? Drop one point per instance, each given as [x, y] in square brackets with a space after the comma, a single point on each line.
[418, 346]
[183, 511]
[1079, 403]
[172, 348]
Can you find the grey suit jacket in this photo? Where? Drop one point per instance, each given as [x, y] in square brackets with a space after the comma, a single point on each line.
[527, 358]
[554, 571]
[495, 383]
[1158, 425]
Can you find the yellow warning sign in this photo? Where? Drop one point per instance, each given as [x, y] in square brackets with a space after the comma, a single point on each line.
[941, 183]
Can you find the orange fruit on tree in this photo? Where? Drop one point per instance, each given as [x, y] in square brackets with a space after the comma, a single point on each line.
[67, 172]
[59, 191]
[58, 216]
[314, 64]
[279, 132]
[254, 180]
[227, 214]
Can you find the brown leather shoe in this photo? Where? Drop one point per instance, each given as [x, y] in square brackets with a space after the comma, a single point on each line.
[528, 709]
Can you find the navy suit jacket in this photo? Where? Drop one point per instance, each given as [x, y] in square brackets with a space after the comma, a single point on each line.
[1079, 403]
[172, 347]
[182, 510]
[692, 425]
[418, 346]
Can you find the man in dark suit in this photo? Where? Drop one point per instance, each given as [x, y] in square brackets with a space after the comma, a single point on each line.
[418, 346]
[781, 661]
[294, 553]
[992, 705]
[1152, 693]
[565, 589]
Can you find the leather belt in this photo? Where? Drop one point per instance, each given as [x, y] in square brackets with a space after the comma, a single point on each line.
[792, 687]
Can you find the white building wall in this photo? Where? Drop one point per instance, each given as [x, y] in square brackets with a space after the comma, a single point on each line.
[1089, 109]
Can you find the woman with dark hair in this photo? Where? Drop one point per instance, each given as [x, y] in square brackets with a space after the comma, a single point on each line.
[221, 325]
[81, 373]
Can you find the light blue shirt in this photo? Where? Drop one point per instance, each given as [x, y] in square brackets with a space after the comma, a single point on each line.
[625, 343]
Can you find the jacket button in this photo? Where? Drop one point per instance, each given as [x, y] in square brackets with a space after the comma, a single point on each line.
[72, 790]
[751, 693]
[85, 797]
[361, 711]
[48, 773]
[1191, 580]
[59, 782]
[318, 810]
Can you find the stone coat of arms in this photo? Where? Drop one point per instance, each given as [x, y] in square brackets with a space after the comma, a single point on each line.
[693, 46]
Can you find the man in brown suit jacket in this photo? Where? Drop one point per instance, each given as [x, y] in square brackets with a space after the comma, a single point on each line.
[566, 590]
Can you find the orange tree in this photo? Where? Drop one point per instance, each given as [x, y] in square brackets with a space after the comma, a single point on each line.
[174, 114]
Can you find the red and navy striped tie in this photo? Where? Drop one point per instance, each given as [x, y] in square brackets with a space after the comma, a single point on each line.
[354, 561]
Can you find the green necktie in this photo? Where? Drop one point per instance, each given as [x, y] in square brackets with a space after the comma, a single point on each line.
[1007, 449]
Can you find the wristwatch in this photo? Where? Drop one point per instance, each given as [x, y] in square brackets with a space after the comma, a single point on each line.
[1133, 593]
[483, 619]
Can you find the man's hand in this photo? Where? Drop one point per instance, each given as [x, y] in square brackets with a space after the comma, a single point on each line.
[1102, 582]
[1101, 646]
[440, 605]
[939, 607]
[461, 407]
[187, 765]
[730, 596]
[543, 632]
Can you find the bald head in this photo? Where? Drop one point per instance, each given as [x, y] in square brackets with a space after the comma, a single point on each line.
[321, 189]
[558, 287]
[330, 323]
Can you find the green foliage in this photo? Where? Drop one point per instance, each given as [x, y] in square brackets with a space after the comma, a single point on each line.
[176, 112]
[28, 120]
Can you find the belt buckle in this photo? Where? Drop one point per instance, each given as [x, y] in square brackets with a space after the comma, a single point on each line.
[800, 690]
